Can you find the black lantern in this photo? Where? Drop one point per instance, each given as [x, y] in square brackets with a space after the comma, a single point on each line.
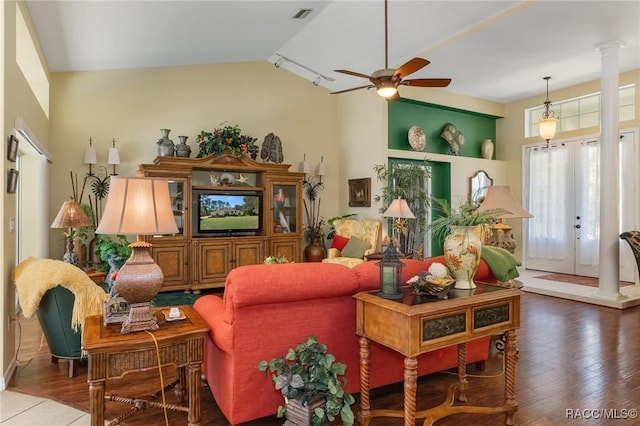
[391, 274]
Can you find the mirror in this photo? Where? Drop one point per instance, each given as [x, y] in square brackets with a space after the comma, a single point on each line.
[479, 185]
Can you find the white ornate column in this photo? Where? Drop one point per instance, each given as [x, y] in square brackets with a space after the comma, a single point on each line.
[609, 283]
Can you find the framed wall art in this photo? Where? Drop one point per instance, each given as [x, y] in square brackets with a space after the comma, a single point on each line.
[360, 192]
[12, 181]
[12, 148]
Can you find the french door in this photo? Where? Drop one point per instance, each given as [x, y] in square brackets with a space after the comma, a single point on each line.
[562, 191]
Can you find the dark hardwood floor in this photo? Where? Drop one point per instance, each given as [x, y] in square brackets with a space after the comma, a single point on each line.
[572, 356]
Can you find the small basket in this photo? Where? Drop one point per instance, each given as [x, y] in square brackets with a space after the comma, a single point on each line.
[429, 286]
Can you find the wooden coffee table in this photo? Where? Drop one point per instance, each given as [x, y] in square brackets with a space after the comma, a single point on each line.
[112, 355]
[416, 325]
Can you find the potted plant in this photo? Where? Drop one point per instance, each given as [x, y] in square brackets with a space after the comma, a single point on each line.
[307, 375]
[313, 232]
[467, 214]
[228, 138]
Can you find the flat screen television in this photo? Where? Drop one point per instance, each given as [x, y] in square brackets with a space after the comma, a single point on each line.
[226, 213]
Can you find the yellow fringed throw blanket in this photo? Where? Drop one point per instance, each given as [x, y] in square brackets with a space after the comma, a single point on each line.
[34, 276]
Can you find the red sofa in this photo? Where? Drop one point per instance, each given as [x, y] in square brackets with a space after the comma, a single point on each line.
[267, 309]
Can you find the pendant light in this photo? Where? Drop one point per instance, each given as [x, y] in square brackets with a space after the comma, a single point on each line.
[548, 122]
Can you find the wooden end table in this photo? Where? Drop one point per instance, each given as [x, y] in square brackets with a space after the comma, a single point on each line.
[112, 355]
[416, 325]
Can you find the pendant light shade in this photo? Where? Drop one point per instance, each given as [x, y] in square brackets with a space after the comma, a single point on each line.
[548, 122]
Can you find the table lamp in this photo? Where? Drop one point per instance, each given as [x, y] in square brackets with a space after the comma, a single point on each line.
[70, 217]
[500, 197]
[138, 206]
[399, 210]
[390, 265]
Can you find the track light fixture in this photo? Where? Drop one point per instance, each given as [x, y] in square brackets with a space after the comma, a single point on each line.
[316, 81]
[548, 122]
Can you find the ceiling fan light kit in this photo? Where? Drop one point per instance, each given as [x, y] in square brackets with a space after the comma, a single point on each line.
[387, 80]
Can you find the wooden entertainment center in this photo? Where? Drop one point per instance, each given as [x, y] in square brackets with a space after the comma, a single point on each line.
[202, 253]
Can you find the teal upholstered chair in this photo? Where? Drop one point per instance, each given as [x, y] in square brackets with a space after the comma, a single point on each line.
[54, 314]
[633, 238]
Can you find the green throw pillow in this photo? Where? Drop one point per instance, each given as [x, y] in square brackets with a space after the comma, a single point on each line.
[355, 248]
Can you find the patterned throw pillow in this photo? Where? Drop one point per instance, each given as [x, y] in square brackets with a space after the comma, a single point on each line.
[339, 242]
[355, 248]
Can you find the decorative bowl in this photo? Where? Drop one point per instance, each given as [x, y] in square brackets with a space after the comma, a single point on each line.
[428, 285]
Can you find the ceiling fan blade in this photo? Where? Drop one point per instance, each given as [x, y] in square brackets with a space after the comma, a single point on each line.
[410, 67]
[427, 82]
[355, 74]
[369, 86]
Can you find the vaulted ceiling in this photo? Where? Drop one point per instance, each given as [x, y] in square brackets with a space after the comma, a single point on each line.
[494, 50]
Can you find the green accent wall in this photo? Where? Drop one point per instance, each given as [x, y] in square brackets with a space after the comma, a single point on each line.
[431, 118]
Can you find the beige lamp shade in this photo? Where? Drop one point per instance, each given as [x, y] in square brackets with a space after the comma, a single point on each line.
[501, 197]
[71, 215]
[399, 208]
[138, 206]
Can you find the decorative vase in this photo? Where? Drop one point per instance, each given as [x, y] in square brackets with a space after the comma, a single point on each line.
[81, 252]
[314, 251]
[165, 145]
[487, 149]
[182, 149]
[462, 248]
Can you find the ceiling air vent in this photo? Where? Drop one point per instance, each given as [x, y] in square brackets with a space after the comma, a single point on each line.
[302, 13]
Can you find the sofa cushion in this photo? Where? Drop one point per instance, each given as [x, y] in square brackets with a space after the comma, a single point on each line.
[355, 248]
[339, 242]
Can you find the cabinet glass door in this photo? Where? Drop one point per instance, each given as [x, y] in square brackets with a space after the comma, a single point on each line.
[284, 209]
[176, 192]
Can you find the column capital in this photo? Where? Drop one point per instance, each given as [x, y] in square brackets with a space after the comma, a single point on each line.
[619, 44]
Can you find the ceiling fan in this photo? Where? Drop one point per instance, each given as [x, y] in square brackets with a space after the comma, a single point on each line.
[387, 80]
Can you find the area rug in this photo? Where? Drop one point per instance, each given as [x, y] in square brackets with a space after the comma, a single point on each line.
[576, 279]
[174, 299]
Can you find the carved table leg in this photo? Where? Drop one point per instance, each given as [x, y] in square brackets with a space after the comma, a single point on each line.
[181, 379]
[96, 402]
[463, 384]
[410, 388]
[365, 407]
[193, 385]
[510, 376]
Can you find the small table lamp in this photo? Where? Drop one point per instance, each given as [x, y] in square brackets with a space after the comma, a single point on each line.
[399, 209]
[501, 197]
[138, 206]
[69, 217]
[390, 265]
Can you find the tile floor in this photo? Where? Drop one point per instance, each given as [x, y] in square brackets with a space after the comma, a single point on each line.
[17, 409]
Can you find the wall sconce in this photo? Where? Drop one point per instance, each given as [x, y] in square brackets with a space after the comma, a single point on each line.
[114, 157]
[99, 181]
[91, 158]
[547, 123]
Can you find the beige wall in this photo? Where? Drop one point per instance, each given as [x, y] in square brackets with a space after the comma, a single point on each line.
[18, 101]
[133, 105]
